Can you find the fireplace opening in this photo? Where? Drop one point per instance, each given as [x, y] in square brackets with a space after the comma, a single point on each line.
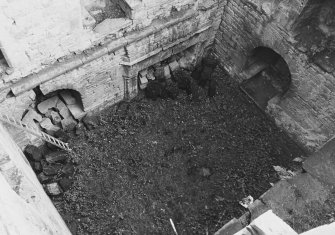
[267, 76]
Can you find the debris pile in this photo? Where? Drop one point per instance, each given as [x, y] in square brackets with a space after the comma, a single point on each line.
[54, 169]
[58, 111]
[168, 79]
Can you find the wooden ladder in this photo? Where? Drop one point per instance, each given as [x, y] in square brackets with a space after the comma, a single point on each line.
[48, 138]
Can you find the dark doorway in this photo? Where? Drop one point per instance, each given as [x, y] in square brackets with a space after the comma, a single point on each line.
[268, 76]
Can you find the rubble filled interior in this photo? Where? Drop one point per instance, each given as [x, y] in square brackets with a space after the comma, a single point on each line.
[175, 111]
[177, 129]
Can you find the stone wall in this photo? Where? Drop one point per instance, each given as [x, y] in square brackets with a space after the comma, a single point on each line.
[37, 32]
[306, 111]
[25, 208]
[53, 45]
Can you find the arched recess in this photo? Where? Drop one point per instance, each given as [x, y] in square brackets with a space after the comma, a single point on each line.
[58, 109]
[267, 76]
[53, 86]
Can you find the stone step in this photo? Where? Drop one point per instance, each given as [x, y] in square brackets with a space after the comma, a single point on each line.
[297, 198]
[298, 201]
[322, 163]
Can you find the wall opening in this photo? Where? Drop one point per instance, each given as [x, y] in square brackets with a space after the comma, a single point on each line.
[103, 12]
[61, 109]
[268, 76]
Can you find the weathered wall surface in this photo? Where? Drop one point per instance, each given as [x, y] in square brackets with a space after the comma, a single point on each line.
[69, 50]
[25, 208]
[306, 111]
[34, 34]
[37, 32]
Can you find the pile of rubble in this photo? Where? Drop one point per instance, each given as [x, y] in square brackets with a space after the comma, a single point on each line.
[167, 79]
[56, 114]
[54, 169]
[60, 111]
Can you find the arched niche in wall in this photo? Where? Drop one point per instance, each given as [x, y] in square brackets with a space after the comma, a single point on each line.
[268, 76]
[60, 109]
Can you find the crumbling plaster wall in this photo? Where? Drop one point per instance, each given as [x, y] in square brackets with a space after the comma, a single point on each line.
[102, 67]
[306, 111]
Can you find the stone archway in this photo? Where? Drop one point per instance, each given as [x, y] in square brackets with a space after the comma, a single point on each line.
[268, 76]
[60, 109]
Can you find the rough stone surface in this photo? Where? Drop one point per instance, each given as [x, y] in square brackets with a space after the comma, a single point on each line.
[76, 111]
[91, 122]
[51, 169]
[55, 118]
[68, 97]
[305, 111]
[31, 116]
[53, 189]
[68, 169]
[48, 126]
[37, 167]
[80, 129]
[174, 66]
[322, 163]
[45, 105]
[63, 110]
[56, 157]
[33, 153]
[325, 60]
[99, 74]
[297, 197]
[62, 135]
[43, 178]
[143, 81]
[69, 123]
[167, 73]
[311, 189]
[65, 183]
[282, 200]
